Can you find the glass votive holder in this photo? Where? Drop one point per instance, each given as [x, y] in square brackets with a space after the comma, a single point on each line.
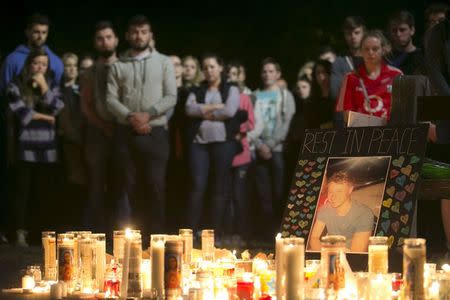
[378, 254]
[245, 286]
[380, 286]
[311, 268]
[208, 244]
[363, 284]
[397, 284]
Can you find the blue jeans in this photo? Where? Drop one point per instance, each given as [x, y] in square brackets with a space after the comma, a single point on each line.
[269, 181]
[209, 167]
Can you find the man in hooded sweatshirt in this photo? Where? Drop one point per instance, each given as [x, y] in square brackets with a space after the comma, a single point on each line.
[141, 88]
[36, 32]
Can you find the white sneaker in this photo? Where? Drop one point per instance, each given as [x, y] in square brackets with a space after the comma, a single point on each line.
[22, 238]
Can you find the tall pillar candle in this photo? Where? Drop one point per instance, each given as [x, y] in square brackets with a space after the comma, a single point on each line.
[125, 264]
[294, 257]
[49, 249]
[187, 237]
[100, 259]
[65, 254]
[279, 266]
[157, 256]
[87, 266]
[414, 256]
[118, 243]
[134, 267]
[378, 254]
[208, 244]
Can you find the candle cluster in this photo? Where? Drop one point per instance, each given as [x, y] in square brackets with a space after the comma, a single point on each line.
[76, 263]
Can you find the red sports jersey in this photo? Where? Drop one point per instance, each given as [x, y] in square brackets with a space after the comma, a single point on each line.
[379, 91]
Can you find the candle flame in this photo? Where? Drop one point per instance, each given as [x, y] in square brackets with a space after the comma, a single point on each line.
[128, 233]
[446, 268]
[278, 236]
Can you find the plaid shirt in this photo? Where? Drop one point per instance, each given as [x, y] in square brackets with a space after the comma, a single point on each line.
[35, 139]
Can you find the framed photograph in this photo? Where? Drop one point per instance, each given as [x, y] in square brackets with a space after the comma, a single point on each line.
[356, 182]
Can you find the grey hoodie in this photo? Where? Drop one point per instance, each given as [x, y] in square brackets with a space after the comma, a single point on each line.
[141, 85]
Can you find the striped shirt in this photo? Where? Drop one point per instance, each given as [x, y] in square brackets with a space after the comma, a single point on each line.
[36, 141]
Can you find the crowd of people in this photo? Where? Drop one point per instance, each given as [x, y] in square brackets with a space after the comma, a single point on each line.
[162, 142]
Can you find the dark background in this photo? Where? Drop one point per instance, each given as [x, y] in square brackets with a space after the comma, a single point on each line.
[290, 31]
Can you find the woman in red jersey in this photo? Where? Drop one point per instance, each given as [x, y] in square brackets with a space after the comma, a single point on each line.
[368, 88]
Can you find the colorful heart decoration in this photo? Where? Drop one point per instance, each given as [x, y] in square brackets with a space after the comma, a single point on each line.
[305, 232]
[293, 214]
[400, 241]
[298, 233]
[410, 187]
[404, 219]
[290, 206]
[299, 174]
[312, 181]
[396, 207]
[309, 216]
[287, 219]
[302, 215]
[395, 226]
[303, 190]
[387, 203]
[400, 196]
[293, 191]
[306, 176]
[308, 184]
[390, 191]
[390, 241]
[405, 230]
[414, 159]
[311, 163]
[316, 188]
[285, 233]
[302, 162]
[303, 224]
[385, 225]
[307, 169]
[310, 198]
[406, 170]
[312, 206]
[310, 192]
[414, 176]
[408, 206]
[286, 226]
[385, 215]
[400, 180]
[300, 183]
[300, 196]
[316, 174]
[320, 159]
[399, 161]
[394, 173]
[380, 233]
[321, 166]
[305, 210]
[294, 227]
[291, 197]
[293, 221]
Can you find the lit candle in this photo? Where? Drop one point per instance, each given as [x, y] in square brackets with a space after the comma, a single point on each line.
[378, 254]
[27, 283]
[146, 275]
[279, 266]
[293, 257]
[55, 291]
[134, 284]
[208, 244]
[157, 253]
[245, 287]
[100, 259]
[49, 249]
[187, 237]
[414, 255]
[126, 263]
[381, 286]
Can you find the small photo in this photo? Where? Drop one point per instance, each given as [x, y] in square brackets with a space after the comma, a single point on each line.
[350, 200]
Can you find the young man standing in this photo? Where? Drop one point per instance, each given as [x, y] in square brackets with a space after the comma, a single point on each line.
[274, 109]
[354, 28]
[36, 32]
[101, 155]
[141, 88]
[405, 55]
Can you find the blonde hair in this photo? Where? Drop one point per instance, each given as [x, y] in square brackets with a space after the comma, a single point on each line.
[69, 55]
[198, 74]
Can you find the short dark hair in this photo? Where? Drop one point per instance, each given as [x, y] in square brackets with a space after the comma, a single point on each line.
[37, 18]
[101, 25]
[138, 20]
[435, 8]
[212, 55]
[402, 16]
[270, 60]
[340, 177]
[324, 49]
[353, 22]
[232, 64]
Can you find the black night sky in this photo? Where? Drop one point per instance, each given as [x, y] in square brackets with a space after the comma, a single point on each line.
[290, 31]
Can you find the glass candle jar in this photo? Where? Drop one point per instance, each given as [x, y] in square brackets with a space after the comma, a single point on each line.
[49, 250]
[378, 254]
